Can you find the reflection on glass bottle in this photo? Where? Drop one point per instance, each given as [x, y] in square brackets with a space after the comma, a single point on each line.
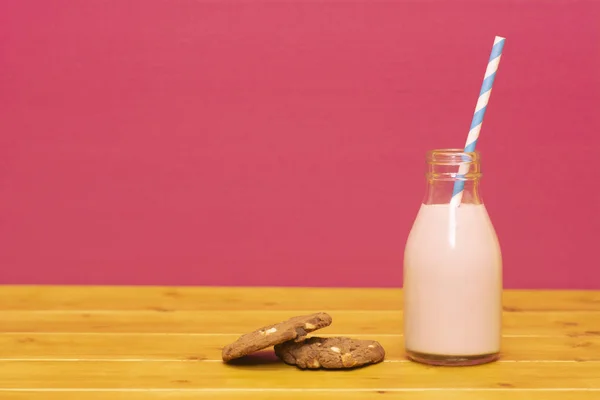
[452, 270]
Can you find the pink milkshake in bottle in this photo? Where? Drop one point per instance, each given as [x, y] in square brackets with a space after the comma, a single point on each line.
[452, 271]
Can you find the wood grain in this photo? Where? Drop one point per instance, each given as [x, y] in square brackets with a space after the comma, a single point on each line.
[184, 347]
[269, 373]
[446, 394]
[162, 343]
[347, 322]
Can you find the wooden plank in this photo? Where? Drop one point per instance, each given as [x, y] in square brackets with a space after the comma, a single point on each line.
[449, 394]
[194, 298]
[581, 323]
[236, 298]
[272, 374]
[190, 347]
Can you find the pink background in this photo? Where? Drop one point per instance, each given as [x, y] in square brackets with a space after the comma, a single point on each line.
[282, 143]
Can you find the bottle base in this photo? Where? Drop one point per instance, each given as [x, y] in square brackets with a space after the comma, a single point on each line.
[452, 360]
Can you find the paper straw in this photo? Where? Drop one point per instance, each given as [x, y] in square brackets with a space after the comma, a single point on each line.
[482, 102]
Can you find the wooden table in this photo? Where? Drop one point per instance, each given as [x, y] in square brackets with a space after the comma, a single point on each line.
[134, 343]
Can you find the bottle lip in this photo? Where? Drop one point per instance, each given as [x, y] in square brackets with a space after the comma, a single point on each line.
[452, 156]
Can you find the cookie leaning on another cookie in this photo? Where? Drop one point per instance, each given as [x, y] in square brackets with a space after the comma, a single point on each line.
[330, 353]
[293, 329]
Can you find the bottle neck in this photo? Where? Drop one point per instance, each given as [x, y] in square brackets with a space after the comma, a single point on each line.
[446, 168]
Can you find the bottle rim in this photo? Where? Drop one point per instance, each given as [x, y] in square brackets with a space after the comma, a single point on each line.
[452, 156]
[444, 165]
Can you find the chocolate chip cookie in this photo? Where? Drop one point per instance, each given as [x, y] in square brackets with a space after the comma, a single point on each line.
[293, 330]
[330, 353]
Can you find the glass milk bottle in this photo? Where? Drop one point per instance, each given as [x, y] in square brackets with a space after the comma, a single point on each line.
[452, 270]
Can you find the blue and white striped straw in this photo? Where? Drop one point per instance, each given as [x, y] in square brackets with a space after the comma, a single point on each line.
[482, 102]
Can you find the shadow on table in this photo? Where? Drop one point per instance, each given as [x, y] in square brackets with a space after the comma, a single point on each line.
[265, 357]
